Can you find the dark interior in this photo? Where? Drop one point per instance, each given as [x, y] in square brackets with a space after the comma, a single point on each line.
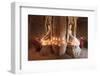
[36, 30]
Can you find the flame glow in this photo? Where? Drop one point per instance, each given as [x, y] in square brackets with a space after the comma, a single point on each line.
[53, 41]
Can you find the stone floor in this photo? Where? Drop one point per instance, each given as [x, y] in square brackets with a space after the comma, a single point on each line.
[34, 55]
[84, 53]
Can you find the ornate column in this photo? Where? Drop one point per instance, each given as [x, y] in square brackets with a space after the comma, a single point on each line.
[56, 34]
[75, 26]
[59, 35]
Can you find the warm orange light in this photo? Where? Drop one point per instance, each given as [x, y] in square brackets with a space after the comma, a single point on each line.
[54, 41]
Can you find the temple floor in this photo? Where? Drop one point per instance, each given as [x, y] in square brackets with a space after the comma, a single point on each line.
[36, 55]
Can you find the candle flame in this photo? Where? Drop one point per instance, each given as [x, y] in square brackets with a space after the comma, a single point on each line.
[53, 41]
